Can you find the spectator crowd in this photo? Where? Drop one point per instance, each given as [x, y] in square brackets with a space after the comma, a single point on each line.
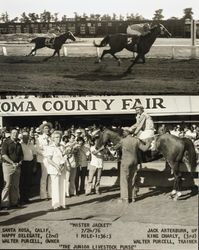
[62, 157]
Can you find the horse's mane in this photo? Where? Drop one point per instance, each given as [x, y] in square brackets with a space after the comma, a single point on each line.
[117, 130]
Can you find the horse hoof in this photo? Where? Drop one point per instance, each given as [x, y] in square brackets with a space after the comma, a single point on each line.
[133, 200]
[171, 197]
[175, 198]
[127, 72]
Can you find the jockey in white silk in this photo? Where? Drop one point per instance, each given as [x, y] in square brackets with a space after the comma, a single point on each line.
[141, 29]
[144, 126]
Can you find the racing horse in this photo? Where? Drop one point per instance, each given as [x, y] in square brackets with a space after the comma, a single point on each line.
[171, 147]
[139, 44]
[52, 43]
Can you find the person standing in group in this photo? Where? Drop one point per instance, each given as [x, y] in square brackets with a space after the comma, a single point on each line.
[12, 156]
[28, 164]
[56, 168]
[82, 153]
[71, 164]
[96, 166]
[42, 142]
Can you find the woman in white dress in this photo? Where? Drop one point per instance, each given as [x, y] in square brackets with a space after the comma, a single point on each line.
[56, 160]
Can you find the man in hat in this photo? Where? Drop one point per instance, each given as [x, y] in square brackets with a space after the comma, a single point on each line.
[143, 128]
[42, 142]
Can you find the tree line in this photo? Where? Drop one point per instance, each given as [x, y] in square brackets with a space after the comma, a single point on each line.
[47, 16]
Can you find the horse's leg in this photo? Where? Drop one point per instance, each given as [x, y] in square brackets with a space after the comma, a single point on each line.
[108, 51]
[175, 193]
[132, 64]
[58, 54]
[47, 58]
[116, 58]
[31, 52]
[143, 59]
[178, 185]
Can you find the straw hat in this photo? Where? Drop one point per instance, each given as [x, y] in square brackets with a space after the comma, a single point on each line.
[44, 124]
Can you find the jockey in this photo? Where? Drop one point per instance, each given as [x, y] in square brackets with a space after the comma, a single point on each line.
[143, 129]
[141, 29]
[54, 31]
[135, 32]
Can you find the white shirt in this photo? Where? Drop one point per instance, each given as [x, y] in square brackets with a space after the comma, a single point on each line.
[56, 155]
[41, 143]
[96, 159]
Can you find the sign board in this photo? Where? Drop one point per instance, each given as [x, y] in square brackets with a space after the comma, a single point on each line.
[96, 105]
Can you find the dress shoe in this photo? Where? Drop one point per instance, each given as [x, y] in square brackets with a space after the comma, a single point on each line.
[123, 201]
[53, 209]
[63, 208]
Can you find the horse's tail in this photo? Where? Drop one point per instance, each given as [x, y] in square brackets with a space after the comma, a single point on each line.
[33, 40]
[103, 43]
[189, 147]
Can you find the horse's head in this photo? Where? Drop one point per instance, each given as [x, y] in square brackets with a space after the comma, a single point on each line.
[164, 31]
[162, 129]
[70, 36]
[106, 136]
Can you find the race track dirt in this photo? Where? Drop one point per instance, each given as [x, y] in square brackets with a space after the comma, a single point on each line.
[72, 75]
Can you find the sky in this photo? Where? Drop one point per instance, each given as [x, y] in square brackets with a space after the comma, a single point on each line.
[146, 8]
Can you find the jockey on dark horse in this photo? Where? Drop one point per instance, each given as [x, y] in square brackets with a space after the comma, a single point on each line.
[136, 32]
[143, 129]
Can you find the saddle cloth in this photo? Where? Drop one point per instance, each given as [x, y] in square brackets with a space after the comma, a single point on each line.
[50, 42]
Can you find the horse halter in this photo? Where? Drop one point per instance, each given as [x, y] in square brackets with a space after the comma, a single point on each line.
[71, 36]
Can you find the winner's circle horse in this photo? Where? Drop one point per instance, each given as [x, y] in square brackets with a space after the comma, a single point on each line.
[52, 43]
[171, 147]
[139, 44]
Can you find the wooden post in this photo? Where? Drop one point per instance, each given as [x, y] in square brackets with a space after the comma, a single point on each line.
[193, 39]
[4, 51]
[65, 50]
[98, 52]
[172, 52]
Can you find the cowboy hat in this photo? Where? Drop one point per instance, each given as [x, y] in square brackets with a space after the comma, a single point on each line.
[44, 124]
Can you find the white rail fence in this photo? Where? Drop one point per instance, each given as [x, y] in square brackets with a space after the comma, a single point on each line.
[78, 50]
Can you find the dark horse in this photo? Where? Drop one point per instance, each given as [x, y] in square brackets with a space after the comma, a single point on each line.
[141, 45]
[171, 147]
[174, 149]
[52, 43]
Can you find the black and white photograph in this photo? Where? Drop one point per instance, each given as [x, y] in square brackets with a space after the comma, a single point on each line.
[99, 124]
